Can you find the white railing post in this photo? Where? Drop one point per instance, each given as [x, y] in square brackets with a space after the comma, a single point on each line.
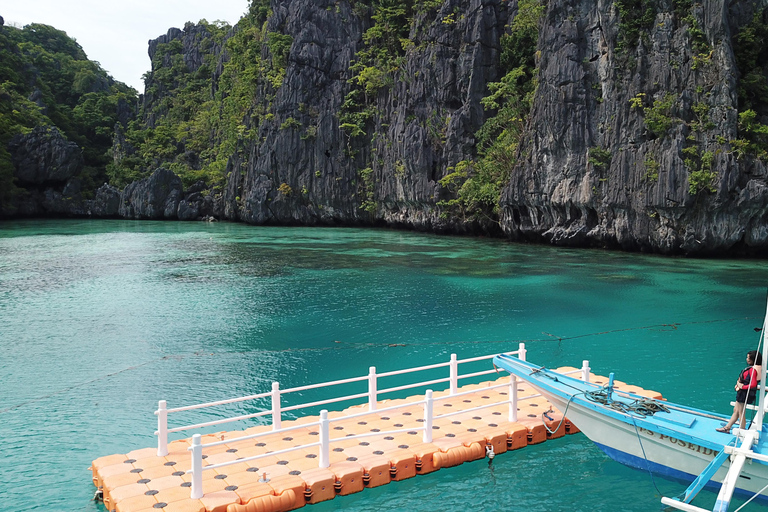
[325, 440]
[197, 468]
[585, 370]
[276, 414]
[428, 406]
[512, 398]
[454, 374]
[521, 352]
[162, 428]
[372, 388]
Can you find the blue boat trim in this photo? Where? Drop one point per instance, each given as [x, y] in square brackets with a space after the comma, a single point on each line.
[645, 465]
[667, 472]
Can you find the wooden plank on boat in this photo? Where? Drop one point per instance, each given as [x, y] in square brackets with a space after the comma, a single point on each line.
[678, 418]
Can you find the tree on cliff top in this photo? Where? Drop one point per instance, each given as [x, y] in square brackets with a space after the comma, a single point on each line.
[46, 79]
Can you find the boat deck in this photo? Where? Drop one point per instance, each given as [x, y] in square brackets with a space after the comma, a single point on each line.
[142, 481]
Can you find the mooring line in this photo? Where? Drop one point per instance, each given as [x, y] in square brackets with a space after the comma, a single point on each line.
[81, 384]
[339, 345]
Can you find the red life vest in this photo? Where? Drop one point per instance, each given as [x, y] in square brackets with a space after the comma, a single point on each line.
[748, 377]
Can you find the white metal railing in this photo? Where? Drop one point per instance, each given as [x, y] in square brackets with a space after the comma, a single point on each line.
[373, 393]
[323, 444]
[196, 491]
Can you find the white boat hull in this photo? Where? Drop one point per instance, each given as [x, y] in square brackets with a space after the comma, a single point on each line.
[647, 450]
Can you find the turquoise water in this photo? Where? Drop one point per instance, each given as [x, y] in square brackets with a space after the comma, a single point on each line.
[101, 319]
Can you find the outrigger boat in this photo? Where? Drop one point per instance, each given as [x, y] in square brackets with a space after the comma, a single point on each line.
[665, 438]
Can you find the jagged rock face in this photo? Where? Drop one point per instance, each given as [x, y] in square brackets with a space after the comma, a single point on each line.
[433, 111]
[155, 197]
[425, 121]
[319, 178]
[196, 43]
[195, 205]
[192, 38]
[106, 203]
[44, 156]
[561, 194]
[590, 171]
[593, 169]
[160, 196]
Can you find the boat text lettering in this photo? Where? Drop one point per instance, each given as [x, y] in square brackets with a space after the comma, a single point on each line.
[693, 447]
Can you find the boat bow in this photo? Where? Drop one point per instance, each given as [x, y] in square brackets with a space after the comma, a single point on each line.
[666, 438]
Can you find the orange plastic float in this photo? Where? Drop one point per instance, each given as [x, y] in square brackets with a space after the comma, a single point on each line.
[290, 484]
[219, 501]
[349, 477]
[319, 485]
[402, 464]
[424, 453]
[141, 481]
[517, 436]
[252, 490]
[184, 506]
[267, 503]
[376, 470]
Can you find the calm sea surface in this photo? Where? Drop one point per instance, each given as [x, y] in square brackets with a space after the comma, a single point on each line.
[101, 319]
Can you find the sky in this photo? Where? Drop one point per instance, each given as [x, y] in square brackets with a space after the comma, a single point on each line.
[115, 33]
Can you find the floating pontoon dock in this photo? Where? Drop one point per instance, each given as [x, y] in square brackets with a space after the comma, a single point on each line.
[288, 464]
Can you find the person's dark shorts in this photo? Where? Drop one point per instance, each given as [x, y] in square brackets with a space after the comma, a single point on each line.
[741, 396]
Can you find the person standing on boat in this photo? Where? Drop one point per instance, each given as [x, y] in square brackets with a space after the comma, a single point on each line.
[746, 390]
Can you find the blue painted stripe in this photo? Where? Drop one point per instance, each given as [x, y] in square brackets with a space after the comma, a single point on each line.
[640, 463]
[665, 471]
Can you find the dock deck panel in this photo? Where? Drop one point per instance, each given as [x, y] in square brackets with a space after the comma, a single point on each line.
[142, 481]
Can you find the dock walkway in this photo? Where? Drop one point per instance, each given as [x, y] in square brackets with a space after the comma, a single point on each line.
[263, 470]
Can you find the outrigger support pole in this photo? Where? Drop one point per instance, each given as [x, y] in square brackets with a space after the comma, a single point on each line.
[679, 505]
[761, 395]
[729, 482]
[704, 477]
[747, 437]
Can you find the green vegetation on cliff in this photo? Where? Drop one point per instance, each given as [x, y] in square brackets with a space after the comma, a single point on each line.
[478, 184]
[46, 79]
[195, 119]
[375, 65]
[174, 125]
[751, 52]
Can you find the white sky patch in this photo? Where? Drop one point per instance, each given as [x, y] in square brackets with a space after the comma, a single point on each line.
[116, 33]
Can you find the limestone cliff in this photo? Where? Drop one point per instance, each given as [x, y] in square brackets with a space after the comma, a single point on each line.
[590, 171]
[632, 124]
[640, 193]
[423, 123]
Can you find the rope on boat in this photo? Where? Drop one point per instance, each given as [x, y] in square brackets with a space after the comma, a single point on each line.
[645, 457]
[639, 407]
[562, 419]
